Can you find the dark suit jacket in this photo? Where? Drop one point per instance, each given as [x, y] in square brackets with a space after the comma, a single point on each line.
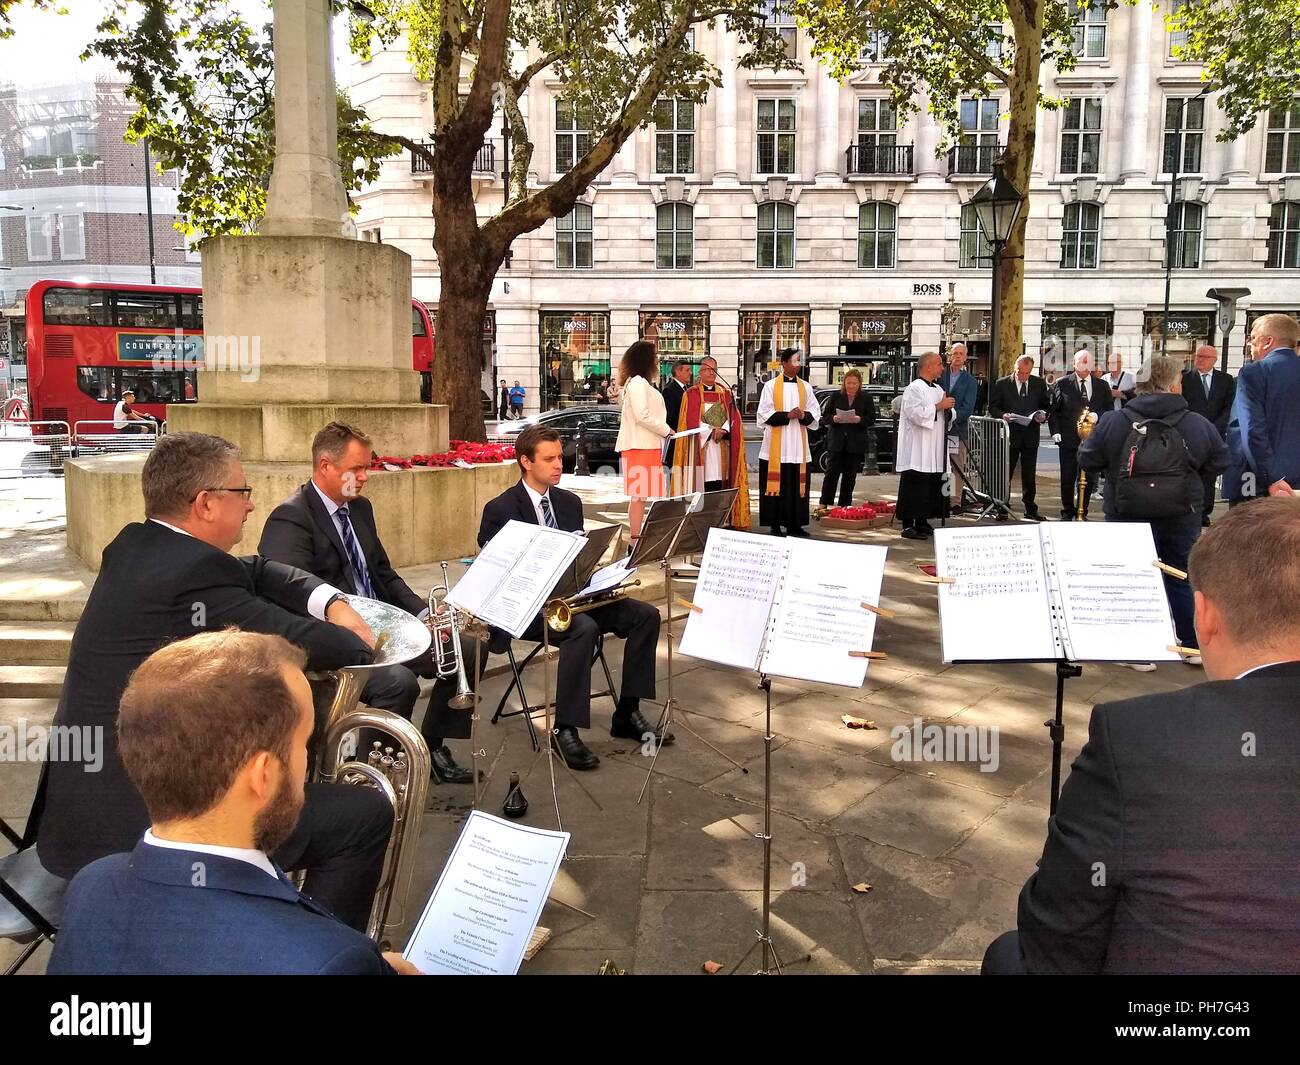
[850, 438]
[515, 503]
[1264, 429]
[1217, 406]
[155, 587]
[1067, 405]
[301, 533]
[1197, 839]
[1004, 398]
[673, 392]
[143, 914]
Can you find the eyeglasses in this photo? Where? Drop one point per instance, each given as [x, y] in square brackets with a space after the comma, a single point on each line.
[246, 492]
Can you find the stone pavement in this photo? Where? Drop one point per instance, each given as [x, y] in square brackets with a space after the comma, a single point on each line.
[677, 880]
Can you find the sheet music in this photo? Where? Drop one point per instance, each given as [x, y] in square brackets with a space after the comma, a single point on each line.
[607, 577]
[999, 609]
[818, 617]
[1112, 597]
[511, 579]
[737, 582]
[699, 430]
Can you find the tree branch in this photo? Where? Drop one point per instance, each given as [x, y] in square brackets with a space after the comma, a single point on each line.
[962, 41]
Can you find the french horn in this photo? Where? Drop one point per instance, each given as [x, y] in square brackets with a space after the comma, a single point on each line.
[400, 769]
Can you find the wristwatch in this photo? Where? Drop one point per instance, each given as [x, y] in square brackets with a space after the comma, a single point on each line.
[336, 597]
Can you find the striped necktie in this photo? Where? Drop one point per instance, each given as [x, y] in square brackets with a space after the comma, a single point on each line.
[547, 516]
[353, 549]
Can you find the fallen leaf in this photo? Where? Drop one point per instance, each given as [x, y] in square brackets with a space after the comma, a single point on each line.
[861, 889]
[712, 967]
[856, 722]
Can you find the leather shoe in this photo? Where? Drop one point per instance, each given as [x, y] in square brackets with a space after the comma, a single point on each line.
[445, 769]
[799, 530]
[910, 533]
[1034, 515]
[568, 745]
[634, 726]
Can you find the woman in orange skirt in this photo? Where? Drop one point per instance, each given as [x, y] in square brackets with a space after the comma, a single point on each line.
[641, 431]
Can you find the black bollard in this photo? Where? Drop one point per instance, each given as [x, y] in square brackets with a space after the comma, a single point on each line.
[581, 466]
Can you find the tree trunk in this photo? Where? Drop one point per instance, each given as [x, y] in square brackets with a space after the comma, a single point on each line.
[1017, 165]
[467, 274]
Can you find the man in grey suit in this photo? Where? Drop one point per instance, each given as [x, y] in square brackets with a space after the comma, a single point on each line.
[1176, 841]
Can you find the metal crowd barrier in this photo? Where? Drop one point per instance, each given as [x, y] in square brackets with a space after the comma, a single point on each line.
[34, 449]
[988, 466]
[100, 438]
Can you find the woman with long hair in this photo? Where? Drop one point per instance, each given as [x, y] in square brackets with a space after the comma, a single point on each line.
[642, 431]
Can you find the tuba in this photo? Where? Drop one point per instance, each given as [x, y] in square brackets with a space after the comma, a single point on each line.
[400, 770]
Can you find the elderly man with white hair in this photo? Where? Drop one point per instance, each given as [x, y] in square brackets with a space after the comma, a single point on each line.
[1075, 394]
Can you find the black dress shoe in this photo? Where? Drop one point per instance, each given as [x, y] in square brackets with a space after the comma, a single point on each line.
[576, 754]
[1034, 515]
[800, 531]
[910, 533]
[635, 726]
[445, 770]
[777, 531]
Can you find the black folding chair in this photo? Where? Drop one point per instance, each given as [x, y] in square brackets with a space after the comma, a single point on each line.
[31, 899]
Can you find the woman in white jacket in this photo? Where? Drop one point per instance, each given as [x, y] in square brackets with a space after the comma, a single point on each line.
[642, 430]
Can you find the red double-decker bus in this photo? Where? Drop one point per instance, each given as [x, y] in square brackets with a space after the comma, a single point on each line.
[87, 342]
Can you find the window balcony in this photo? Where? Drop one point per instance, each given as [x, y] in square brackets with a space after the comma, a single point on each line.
[973, 160]
[878, 160]
[484, 161]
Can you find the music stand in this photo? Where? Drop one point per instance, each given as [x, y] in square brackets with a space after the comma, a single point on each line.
[708, 511]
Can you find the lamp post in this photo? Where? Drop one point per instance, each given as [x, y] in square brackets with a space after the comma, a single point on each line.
[997, 206]
[1171, 215]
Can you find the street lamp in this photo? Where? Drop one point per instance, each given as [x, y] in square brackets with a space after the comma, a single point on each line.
[997, 206]
[1171, 213]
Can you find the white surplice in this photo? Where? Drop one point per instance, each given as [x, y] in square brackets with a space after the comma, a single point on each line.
[922, 430]
[794, 438]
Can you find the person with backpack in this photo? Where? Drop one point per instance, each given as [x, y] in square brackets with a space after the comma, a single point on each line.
[1156, 454]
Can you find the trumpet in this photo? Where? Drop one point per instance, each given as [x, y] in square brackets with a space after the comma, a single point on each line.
[446, 623]
[559, 612]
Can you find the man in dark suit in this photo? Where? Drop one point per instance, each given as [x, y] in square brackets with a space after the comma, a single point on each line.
[199, 894]
[171, 577]
[1024, 394]
[1209, 392]
[327, 527]
[1176, 840]
[1264, 429]
[537, 500]
[503, 400]
[1074, 394]
[673, 391]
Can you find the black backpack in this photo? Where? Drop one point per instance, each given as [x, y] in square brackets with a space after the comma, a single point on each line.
[1152, 481]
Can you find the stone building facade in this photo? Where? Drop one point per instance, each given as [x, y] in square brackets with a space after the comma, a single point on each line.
[792, 208]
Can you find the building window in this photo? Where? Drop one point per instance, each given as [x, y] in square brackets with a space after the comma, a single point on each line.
[993, 42]
[874, 50]
[975, 251]
[675, 137]
[1089, 28]
[977, 147]
[674, 236]
[775, 236]
[877, 228]
[573, 239]
[1284, 236]
[1282, 152]
[1080, 236]
[40, 233]
[1184, 242]
[1177, 38]
[1184, 132]
[72, 236]
[780, 17]
[1081, 135]
[776, 136]
[572, 134]
[877, 126]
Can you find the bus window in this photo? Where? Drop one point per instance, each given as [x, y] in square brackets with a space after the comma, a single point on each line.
[76, 306]
[144, 310]
[191, 311]
[417, 322]
[96, 382]
[107, 383]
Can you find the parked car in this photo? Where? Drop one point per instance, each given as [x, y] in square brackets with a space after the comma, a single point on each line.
[601, 428]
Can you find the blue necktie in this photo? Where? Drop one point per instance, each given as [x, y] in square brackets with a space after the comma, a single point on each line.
[547, 516]
[354, 554]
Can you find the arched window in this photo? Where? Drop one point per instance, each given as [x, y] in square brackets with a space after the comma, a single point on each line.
[1080, 236]
[573, 239]
[877, 229]
[1284, 236]
[775, 236]
[674, 236]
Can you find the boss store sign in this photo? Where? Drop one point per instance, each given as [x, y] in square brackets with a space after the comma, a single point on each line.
[681, 334]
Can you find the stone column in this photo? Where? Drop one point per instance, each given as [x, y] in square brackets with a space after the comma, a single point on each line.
[927, 140]
[828, 128]
[1137, 94]
[1236, 164]
[725, 172]
[306, 197]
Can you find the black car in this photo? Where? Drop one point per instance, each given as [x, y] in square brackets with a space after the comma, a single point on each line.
[600, 424]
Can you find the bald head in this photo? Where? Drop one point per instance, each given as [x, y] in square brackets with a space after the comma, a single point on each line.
[929, 365]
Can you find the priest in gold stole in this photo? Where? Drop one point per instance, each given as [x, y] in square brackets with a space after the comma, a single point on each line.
[716, 461]
[787, 410]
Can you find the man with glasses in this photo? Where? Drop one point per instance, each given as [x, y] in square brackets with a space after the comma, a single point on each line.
[168, 578]
[1264, 431]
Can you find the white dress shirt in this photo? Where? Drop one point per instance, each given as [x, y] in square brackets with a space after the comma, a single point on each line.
[537, 498]
[240, 854]
[315, 602]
